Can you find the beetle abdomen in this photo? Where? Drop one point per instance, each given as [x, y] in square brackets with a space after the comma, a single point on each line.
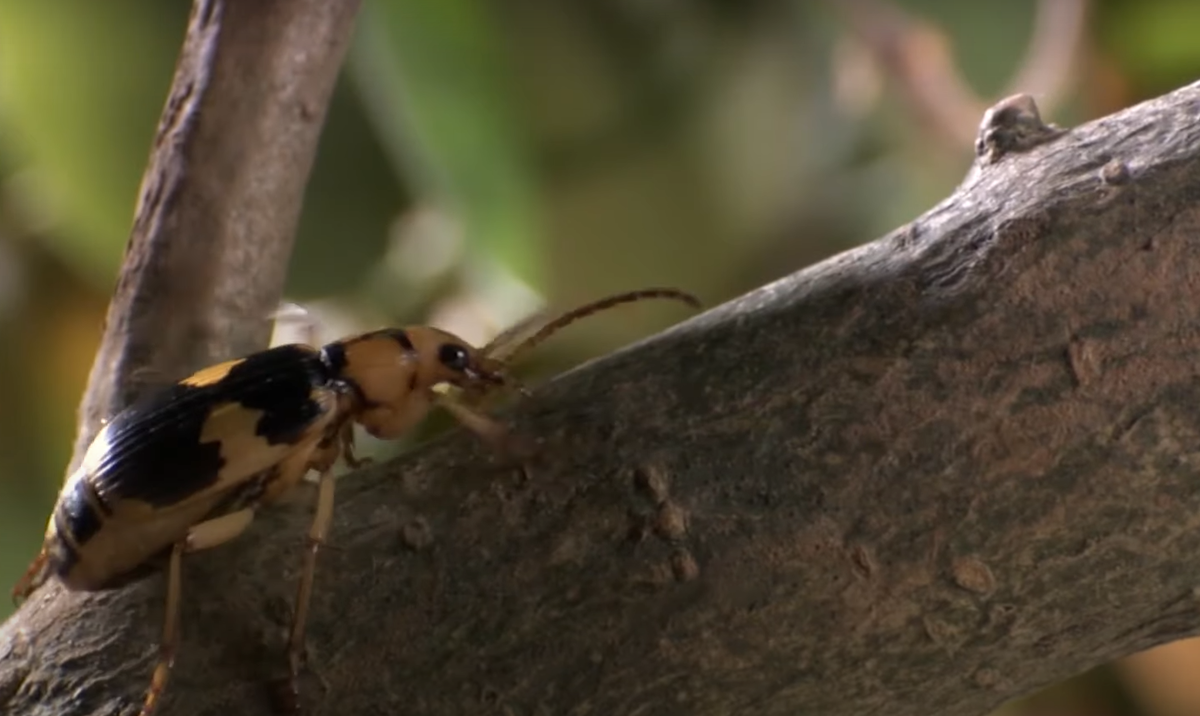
[79, 512]
[90, 546]
[177, 457]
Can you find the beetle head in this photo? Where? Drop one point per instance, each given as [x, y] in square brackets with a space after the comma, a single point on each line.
[392, 374]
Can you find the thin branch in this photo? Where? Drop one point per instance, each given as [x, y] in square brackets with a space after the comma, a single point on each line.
[925, 476]
[917, 56]
[1049, 65]
[213, 230]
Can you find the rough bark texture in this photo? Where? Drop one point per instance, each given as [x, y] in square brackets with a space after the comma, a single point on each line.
[213, 230]
[922, 477]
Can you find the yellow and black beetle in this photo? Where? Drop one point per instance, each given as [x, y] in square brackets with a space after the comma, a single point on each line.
[185, 469]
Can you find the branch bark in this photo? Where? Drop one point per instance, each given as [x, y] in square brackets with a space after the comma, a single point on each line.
[214, 224]
[925, 476]
[217, 212]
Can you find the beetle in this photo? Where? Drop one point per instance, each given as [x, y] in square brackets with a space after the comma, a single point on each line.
[186, 468]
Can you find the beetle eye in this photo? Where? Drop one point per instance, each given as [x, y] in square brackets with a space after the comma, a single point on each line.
[454, 357]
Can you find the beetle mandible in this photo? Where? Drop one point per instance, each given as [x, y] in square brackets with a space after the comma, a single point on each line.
[185, 469]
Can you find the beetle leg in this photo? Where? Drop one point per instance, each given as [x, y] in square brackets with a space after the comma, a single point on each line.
[317, 532]
[508, 445]
[33, 578]
[492, 432]
[202, 536]
[346, 439]
[166, 648]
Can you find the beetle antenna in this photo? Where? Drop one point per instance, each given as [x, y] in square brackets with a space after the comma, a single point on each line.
[566, 319]
[505, 341]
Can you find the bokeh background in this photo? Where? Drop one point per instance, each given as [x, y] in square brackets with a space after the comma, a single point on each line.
[484, 159]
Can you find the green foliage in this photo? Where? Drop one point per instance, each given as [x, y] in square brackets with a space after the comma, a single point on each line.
[1155, 41]
[435, 81]
[81, 85]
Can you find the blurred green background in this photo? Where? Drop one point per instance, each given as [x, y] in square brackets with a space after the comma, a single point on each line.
[479, 163]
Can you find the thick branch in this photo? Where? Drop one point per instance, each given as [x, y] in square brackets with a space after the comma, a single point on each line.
[923, 477]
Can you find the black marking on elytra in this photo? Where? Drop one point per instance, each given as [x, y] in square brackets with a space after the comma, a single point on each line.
[154, 451]
[333, 356]
[76, 515]
[282, 390]
[61, 557]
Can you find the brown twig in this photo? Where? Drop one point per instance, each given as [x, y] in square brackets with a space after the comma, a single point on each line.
[1048, 67]
[221, 195]
[917, 56]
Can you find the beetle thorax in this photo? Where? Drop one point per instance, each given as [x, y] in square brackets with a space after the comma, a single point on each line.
[393, 372]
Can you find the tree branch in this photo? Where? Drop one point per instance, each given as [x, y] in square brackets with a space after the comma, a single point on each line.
[207, 255]
[927, 475]
[222, 192]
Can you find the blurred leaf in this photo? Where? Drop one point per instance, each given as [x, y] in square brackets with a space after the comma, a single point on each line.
[81, 86]
[351, 199]
[988, 41]
[435, 82]
[1156, 40]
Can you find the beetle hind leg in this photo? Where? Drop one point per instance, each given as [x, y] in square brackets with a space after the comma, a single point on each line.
[166, 647]
[202, 536]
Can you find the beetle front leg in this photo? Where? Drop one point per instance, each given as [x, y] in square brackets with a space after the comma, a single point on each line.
[509, 446]
[202, 536]
[483, 425]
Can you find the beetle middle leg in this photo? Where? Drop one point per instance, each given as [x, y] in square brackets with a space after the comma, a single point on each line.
[346, 439]
[320, 456]
[317, 532]
[202, 536]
